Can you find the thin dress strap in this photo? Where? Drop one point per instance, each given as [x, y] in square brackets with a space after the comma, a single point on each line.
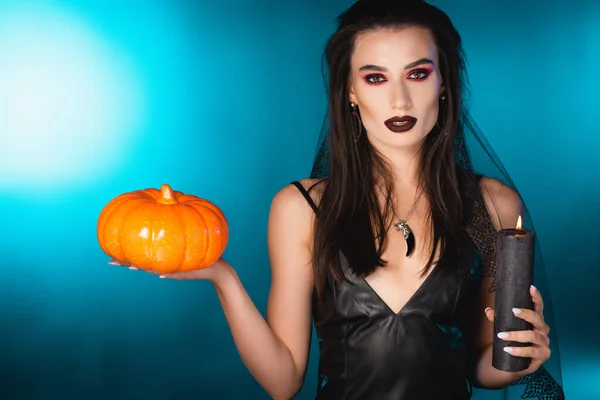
[306, 195]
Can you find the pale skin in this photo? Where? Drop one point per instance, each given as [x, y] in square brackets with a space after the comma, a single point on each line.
[275, 350]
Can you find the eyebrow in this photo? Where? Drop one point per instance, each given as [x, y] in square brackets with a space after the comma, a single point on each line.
[371, 67]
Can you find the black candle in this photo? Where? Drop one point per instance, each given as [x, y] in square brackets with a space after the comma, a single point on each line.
[514, 276]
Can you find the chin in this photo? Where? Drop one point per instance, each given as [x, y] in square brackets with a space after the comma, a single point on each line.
[404, 141]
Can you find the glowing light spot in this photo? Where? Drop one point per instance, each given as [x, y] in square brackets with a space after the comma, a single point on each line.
[144, 233]
[70, 103]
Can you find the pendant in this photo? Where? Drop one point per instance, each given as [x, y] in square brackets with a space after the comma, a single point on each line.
[402, 225]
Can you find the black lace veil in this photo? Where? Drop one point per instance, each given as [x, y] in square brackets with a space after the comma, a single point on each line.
[474, 154]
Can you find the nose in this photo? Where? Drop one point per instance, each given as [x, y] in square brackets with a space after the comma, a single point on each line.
[400, 98]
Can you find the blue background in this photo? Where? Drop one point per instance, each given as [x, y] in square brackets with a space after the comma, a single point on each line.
[224, 100]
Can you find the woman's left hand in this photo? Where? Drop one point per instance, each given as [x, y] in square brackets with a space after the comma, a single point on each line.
[539, 351]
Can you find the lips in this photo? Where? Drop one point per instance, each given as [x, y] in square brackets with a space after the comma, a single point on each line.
[401, 124]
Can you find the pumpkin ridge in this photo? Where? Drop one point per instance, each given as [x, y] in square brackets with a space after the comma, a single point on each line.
[208, 248]
[183, 227]
[218, 216]
[110, 207]
[103, 218]
[210, 242]
[125, 211]
[149, 243]
[149, 194]
[186, 198]
[205, 237]
[106, 216]
[207, 204]
[224, 237]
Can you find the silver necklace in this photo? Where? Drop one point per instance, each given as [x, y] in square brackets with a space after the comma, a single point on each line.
[402, 225]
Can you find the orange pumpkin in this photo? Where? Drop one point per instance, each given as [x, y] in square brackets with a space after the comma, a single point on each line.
[162, 230]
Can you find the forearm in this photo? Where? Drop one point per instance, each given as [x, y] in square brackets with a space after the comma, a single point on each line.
[491, 378]
[264, 354]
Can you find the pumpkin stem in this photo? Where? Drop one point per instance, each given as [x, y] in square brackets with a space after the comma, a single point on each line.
[168, 197]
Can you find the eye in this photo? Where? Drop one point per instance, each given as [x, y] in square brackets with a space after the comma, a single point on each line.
[375, 79]
[419, 74]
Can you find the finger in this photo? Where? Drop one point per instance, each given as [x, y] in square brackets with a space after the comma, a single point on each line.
[525, 337]
[538, 302]
[153, 272]
[537, 353]
[174, 275]
[123, 264]
[489, 313]
[532, 317]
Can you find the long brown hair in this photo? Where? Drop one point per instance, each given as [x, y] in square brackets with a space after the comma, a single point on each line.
[349, 216]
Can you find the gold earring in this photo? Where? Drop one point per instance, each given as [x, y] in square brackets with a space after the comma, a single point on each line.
[443, 97]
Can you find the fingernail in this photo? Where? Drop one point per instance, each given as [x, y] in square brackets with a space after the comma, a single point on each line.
[508, 349]
[502, 335]
[486, 309]
[113, 262]
[133, 268]
[517, 310]
[534, 288]
[162, 276]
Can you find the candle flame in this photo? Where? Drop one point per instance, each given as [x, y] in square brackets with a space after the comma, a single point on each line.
[519, 223]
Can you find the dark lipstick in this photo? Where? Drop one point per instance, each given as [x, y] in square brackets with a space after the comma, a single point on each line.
[400, 124]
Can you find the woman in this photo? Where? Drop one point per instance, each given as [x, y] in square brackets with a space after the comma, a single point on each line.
[382, 252]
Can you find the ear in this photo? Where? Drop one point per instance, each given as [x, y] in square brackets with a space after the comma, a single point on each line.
[351, 94]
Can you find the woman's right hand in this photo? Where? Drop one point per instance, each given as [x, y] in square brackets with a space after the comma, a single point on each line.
[211, 273]
[275, 352]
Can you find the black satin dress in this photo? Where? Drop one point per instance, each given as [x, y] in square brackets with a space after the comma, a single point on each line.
[369, 352]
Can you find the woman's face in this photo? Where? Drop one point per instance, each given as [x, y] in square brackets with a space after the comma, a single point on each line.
[395, 75]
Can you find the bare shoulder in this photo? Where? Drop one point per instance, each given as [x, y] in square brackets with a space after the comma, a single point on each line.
[503, 202]
[291, 199]
[291, 214]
